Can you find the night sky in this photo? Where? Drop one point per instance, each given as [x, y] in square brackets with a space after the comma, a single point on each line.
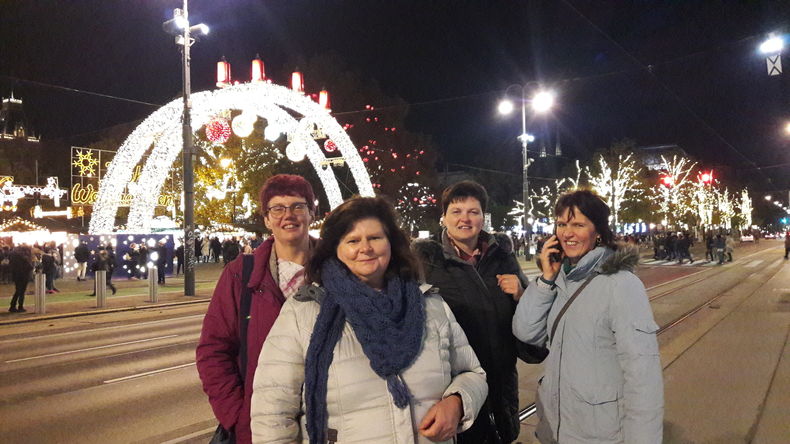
[669, 72]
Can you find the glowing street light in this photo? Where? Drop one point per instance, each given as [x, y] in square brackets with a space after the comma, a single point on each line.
[768, 197]
[506, 107]
[772, 45]
[541, 102]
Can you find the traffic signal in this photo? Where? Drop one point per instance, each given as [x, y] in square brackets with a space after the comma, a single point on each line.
[668, 181]
[706, 177]
[783, 220]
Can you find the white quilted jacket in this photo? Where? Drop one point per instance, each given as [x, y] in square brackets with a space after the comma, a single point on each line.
[359, 405]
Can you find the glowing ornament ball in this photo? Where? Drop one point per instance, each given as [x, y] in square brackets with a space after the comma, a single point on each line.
[218, 131]
[243, 124]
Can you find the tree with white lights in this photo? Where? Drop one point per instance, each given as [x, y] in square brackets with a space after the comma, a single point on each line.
[674, 188]
[745, 209]
[616, 181]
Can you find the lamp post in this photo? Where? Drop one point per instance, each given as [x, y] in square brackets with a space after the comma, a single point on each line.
[541, 102]
[180, 28]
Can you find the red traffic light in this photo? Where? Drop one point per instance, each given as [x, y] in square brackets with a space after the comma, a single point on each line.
[668, 181]
[706, 177]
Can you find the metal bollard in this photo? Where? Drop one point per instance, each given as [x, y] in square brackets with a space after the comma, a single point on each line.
[100, 279]
[40, 287]
[153, 284]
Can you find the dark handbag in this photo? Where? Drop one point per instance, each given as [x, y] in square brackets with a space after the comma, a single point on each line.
[221, 435]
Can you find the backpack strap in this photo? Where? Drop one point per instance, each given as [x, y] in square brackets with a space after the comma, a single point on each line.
[568, 304]
[244, 310]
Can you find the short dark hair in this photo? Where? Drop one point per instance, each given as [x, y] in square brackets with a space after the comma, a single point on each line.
[593, 207]
[341, 221]
[462, 191]
[286, 185]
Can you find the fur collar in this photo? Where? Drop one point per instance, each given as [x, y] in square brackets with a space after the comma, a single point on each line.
[624, 258]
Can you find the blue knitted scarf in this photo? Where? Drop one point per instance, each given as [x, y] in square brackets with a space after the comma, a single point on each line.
[388, 324]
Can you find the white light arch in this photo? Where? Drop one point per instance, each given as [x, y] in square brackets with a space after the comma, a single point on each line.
[294, 112]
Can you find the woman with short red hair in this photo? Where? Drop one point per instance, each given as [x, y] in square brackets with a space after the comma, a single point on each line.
[273, 273]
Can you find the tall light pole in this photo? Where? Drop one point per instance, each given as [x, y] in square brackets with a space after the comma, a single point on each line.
[541, 102]
[180, 28]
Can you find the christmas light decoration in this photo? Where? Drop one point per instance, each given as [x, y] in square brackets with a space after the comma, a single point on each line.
[86, 163]
[323, 98]
[281, 106]
[223, 73]
[243, 124]
[675, 185]
[10, 193]
[745, 208]
[329, 146]
[297, 82]
[218, 131]
[258, 74]
[616, 183]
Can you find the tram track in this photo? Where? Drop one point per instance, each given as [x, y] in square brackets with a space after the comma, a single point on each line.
[531, 409]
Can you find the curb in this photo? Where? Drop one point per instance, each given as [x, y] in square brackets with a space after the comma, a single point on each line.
[101, 311]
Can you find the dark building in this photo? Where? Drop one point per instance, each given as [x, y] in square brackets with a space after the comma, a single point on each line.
[19, 147]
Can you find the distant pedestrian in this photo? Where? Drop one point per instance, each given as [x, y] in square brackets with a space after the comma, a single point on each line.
[81, 255]
[161, 261]
[180, 259]
[204, 249]
[709, 247]
[101, 263]
[21, 264]
[719, 245]
[787, 244]
[50, 269]
[683, 246]
[729, 247]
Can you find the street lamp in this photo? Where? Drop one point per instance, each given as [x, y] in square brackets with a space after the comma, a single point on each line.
[541, 102]
[179, 27]
[772, 44]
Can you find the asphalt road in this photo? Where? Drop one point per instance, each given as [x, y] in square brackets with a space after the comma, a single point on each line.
[130, 376]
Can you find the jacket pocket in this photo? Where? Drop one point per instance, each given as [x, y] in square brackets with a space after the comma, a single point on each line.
[645, 336]
[596, 411]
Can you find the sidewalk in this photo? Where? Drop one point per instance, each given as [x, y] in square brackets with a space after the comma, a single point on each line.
[73, 299]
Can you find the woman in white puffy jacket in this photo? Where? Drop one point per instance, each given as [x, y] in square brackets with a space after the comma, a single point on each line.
[365, 355]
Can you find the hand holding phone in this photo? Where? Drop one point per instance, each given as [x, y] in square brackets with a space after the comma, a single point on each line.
[556, 257]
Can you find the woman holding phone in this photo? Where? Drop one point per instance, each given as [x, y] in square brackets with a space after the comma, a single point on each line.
[602, 378]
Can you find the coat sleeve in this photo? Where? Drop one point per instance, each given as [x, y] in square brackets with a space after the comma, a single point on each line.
[218, 350]
[530, 322]
[637, 351]
[279, 377]
[469, 378]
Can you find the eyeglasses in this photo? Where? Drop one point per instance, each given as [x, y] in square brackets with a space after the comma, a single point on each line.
[278, 211]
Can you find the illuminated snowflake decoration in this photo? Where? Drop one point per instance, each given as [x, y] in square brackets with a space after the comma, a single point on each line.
[86, 163]
[294, 113]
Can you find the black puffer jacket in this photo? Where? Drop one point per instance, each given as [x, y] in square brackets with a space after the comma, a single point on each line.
[485, 313]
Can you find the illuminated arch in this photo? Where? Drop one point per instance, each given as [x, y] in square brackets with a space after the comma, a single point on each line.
[296, 114]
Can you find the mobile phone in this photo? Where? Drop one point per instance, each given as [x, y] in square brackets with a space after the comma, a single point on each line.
[556, 257]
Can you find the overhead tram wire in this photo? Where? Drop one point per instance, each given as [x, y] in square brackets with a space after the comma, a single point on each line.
[79, 91]
[650, 71]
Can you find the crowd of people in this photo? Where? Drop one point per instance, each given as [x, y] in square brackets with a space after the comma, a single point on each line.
[363, 336]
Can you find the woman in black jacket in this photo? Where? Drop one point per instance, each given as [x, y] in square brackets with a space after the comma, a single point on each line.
[21, 265]
[480, 279]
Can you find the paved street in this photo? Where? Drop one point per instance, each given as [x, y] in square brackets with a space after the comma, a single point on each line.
[130, 376]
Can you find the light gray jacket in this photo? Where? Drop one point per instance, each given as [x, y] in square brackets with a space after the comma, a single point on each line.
[602, 381]
[359, 406]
